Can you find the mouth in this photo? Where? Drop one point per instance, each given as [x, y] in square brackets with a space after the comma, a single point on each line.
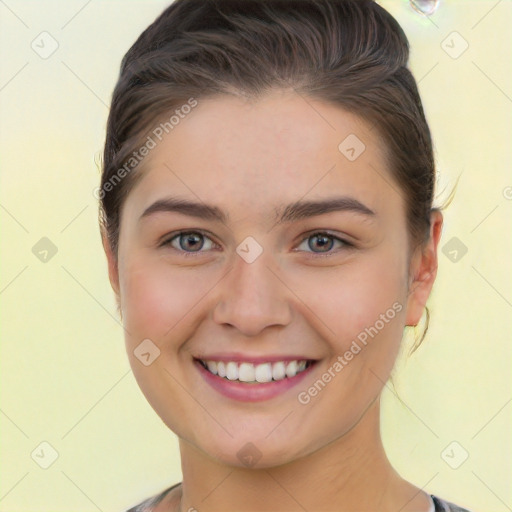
[256, 373]
[251, 373]
[253, 382]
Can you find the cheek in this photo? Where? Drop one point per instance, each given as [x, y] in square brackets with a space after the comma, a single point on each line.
[155, 299]
[366, 295]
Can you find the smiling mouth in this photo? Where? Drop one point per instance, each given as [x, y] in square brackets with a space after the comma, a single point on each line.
[256, 373]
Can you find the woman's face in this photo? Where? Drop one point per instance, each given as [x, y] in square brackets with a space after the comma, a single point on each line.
[271, 282]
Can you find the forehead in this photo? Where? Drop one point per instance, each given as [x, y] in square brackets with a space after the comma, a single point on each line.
[255, 155]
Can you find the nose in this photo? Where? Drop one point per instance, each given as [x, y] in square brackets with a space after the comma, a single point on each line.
[253, 297]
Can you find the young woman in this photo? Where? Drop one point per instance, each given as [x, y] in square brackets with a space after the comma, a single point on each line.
[267, 215]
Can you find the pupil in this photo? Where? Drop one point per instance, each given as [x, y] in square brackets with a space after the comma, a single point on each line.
[192, 238]
[324, 241]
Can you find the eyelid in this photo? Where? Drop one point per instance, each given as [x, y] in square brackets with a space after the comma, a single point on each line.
[327, 232]
[346, 244]
[167, 239]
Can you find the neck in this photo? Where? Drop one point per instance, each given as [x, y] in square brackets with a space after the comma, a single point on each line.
[350, 473]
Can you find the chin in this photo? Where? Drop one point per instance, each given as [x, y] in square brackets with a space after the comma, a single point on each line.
[258, 452]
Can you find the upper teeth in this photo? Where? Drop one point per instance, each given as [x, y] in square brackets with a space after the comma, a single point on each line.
[248, 372]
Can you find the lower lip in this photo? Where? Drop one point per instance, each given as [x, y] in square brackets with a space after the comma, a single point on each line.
[251, 392]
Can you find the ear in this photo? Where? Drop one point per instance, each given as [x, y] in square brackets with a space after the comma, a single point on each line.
[113, 269]
[423, 271]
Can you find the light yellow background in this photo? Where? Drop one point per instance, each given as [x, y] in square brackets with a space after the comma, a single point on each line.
[65, 377]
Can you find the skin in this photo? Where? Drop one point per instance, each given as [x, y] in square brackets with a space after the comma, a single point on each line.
[247, 158]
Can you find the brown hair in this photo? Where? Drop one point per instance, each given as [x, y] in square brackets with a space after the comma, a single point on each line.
[352, 53]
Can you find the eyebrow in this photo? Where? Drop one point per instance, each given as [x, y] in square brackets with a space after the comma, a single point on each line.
[290, 213]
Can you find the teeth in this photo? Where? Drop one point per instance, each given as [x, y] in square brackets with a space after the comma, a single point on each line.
[248, 372]
[232, 371]
[278, 371]
[263, 372]
[291, 369]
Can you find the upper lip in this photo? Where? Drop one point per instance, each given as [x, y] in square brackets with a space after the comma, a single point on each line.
[242, 358]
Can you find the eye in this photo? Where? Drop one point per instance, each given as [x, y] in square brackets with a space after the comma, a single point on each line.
[325, 242]
[189, 242]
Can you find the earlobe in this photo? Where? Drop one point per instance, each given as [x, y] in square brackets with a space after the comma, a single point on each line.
[423, 271]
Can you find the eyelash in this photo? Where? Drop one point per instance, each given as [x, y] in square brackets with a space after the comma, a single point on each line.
[194, 254]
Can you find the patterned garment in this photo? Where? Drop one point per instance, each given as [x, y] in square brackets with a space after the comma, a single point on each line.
[149, 504]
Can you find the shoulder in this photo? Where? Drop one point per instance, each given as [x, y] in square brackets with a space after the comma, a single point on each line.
[445, 506]
[149, 504]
